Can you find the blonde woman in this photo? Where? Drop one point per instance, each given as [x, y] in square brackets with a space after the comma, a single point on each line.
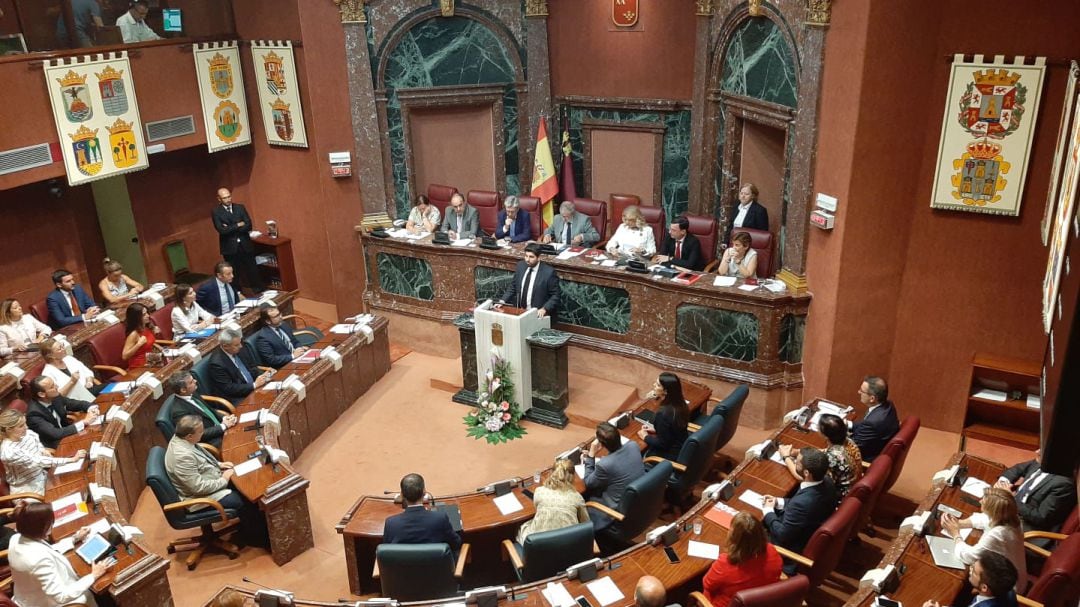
[999, 521]
[26, 461]
[17, 330]
[634, 236]
[118, 287]
[557, 503]
[73, 378]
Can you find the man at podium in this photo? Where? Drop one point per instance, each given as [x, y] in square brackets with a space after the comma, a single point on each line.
[535, 285]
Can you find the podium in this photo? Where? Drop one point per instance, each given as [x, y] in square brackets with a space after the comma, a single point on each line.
[503, 332]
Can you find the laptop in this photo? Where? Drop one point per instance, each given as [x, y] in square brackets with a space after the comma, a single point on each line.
[943, 550]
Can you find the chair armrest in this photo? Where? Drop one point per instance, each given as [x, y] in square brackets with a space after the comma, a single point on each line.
[305, 332]
[595, 548]
[164, 342]
[11, 497]
[606, 510]
[295, 318]
[1050, 535]
[375, 570]
[656, 459]
[711, 266]
[195, 502]
[222, 402]
[699, 599]
[110, 368]
[463, 557]
[692, 427]
[1026, 602]
[512, 554]
[795, 556]
[212, 450]
[5, 585]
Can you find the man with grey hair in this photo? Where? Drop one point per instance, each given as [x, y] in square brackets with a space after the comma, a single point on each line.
[513, 224]
[230, 376]
[571, 227]
[649, 592]
[461, 219]
[185, 400]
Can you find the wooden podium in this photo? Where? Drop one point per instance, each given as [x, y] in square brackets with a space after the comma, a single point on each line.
[503, 332]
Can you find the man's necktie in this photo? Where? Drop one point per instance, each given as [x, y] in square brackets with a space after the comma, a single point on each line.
[75, 311]
[243, 370]
[566, 233]
[678, 249]
[459, 220]
[56, 416]
[207, 410]
[232, 298]
[1025, 488]
[284, 338]
[523, 299]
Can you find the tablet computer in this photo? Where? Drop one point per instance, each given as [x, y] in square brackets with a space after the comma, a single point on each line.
[93, 548]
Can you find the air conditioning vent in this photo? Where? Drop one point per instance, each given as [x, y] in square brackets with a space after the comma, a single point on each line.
[167, 129]
[13, 161]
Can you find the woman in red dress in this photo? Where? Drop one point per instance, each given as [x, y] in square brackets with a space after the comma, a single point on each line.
[750, 561]
[140, 335]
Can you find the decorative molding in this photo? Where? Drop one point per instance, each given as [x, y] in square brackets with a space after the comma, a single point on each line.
[703, 8]
[656, 128]
[754, 8]
[446, 8]
[536, 8]
[796, 283]
[818, 12]
[352, 11]
[624, 103]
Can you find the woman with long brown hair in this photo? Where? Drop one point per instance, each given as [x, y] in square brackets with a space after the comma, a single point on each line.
[748, 562]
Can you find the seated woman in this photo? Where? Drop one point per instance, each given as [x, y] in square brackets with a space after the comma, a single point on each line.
[634, 236]
[748, 562]
[999, 520]
[187, 315]
[140, 331]
[845, 461]
[118, 287]
[73, 378]
[424, 216]
[739, 259]
[668, 432]
[26, 461]
[41, 574]
[17, 330]
[557, 503]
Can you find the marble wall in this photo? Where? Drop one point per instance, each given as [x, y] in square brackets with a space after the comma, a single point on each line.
[792, 332]
[491, 283]
[408, 276]
[594, 306]
[724, 333]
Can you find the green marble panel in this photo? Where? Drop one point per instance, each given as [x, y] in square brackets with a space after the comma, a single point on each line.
[724, 333]
[406, 276]
[792, 332]
[491, 283]
[758, 63]
[594, 306]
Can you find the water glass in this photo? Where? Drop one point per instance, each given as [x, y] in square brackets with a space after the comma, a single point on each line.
[698, 524]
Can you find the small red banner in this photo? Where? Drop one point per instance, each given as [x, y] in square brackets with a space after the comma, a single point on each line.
[624, 13]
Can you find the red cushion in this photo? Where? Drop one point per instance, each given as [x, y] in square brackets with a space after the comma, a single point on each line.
[487, 205]
[439, 195]
[899, 446]
[163, 319]
[107, 347]
[596, 211]
[828, 541]
[704, 229]
[40, 311]
[869, 488]
[531, 205]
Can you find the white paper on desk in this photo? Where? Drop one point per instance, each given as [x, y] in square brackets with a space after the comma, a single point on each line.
[994, 395]
[72, 467]
[703, 550]
[557, 596]
[751, 497]
[724, 281]
[832, 408]
[580, 470]
[605, 591]
[976, 487]
[568, 254]
[748, 287]
[776, 286]
[508, 503]
[100, 526]
[775, 457]
[75, 499]
[250, 416]
[609, 263]
[250, 465]
[271, 386]
[65, 545]
[461, 242]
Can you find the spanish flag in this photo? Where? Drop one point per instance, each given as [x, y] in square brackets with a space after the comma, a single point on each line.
[545, 186]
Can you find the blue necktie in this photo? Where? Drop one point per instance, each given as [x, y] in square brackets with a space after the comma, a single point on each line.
[243, 369]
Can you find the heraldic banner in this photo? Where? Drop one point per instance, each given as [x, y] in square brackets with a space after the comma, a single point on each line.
[221, 89]
[93, 103]
[986, 135]
[279, 96]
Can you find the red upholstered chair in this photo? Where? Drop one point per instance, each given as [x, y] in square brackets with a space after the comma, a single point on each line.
[618, 204]
[439, 195]
[704, 229]
[898, 448]
[107, 348]
[163, 319]
[868, 490]
[1059, 583]
[822, 552]
[762, 242]
[40, 310]
[654, 216]
[29, 376]
[596, 211]
[19, 405]
[785, 593]
[531, 205]
[487, 205]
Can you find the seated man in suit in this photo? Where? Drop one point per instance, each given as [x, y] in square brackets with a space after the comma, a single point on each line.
[48, 409]
[275, 342]
[68, 303]
[461, 220]
[417, 524]
[230, 376]
[535, 285]
[1044, 500]
[607, 477]
[195, 473]
[571, 227]
[218, 296]
[513, 223]
[880, 424]
[792, 523]
[992, 578]
[681, 248]
[185, 401]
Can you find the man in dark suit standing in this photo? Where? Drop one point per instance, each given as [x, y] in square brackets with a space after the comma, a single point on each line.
[880, 424]
[606, 478]
[233, 225]
[417, 524]
[230, 376]
[535, 285]
[792, 523]
[218, 296]
[275, 342]
[47, 412]
[186, 401]
[1044, 500]
[681, 248]
[68, 303]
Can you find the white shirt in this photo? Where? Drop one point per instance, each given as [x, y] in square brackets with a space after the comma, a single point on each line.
[626, 238]
[223, 293]
[1004, 540]
[741, 216]
[21, 333]
[81, 390]
[135, 31]
[526, 286]
[185, 321]
[43, 577]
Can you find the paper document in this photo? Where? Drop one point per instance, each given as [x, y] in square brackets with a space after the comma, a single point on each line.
[570, 254]
[69, 508]
[751, 497]
[608, 263]
[72, 467]
[580, 470]
[976, 487]
[605, 591]
[832, 408]
[557, 596]
[65, 545]
[250, 416]
[724, 281]
[308, 357]
[748, 287]
[624, 439]
[508, 503]
[461, 242]
[994, 395]
[703, 550]
[776, 286]
[343, 329]
[250, 465]
[119, 387]
[271, 386]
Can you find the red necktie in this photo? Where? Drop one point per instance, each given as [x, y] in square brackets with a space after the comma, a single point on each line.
[75, 311]
[678, 249]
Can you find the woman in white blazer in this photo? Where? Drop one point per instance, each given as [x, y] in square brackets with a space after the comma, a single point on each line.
[42, 576]
[1001, 533]
[17, 330]
[73, 378]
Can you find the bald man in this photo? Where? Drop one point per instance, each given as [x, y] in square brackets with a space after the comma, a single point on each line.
[233, 225]
[650, 592]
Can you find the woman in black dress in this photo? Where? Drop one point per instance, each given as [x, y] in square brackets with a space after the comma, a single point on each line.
[668, 432]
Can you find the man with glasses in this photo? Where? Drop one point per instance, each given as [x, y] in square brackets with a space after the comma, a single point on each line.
[880, 423]
[992, 579]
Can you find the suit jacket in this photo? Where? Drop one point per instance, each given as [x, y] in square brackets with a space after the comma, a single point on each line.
[874, 431]
[179, 407]
[545, 288]
[194, 472]
[44, 576]
[1048, 504]
[1004, 601]
[209, 297]
[272, 351]
[39, 418]
[803, 513]
[520, 230]
[608, 476]
[231, 238]
[691, 258]
[470, 224]
[579, 224]
[757, 218]
[418, 525]
[59, 306]
[226, 380]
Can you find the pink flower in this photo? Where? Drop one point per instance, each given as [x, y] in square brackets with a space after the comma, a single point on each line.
[505, 406]
[506, 417]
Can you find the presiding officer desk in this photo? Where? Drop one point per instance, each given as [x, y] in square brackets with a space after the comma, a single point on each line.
[139, 578]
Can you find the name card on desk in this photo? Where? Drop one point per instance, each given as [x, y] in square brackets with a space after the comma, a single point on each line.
[330, 353]
[191, 352]
[99, 451]
[278, 456]
[916, 522]
[13, 369]
[154, 299]
[945, 476]
[108, 317]
[294, 383]
[150, 381]
[262, 416]
[97, 492]
[250, 465]
[117, 413]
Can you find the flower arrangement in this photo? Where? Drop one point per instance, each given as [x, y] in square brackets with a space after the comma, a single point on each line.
[496, 417]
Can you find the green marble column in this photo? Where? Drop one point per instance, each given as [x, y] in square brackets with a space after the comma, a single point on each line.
[467, 395]
[550, 377]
